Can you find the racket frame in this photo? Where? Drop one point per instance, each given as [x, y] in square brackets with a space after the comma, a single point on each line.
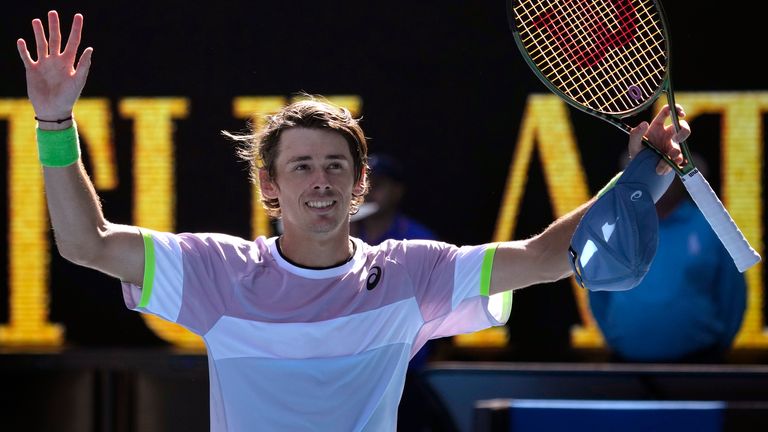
[665, 87]
[717, 215]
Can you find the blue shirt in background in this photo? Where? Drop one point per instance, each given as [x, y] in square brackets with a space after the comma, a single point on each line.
[690, 302]
[402, 228]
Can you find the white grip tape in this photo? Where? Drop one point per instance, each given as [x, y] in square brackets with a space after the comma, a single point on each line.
[744, 256]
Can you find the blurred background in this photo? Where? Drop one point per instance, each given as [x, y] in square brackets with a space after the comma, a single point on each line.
[440, 86]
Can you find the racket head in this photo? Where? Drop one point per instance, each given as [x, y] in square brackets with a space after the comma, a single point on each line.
[605, 57]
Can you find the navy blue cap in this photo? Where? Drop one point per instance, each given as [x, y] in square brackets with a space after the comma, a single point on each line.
[616, 240]
[386, 166]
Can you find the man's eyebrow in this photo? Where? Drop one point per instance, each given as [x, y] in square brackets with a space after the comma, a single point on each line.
[307, 158]
[299, 159]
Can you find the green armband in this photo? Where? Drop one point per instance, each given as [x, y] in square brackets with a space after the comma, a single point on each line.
[610, 184]
[58, 148]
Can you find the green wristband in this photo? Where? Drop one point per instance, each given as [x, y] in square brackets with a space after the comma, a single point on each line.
[58, 148]
[610, 184]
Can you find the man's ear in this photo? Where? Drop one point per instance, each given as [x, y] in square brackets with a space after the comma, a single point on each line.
[360, 185]
[267, 185]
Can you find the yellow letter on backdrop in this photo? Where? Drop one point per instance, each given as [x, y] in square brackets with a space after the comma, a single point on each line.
[154, 192]
[28, 236]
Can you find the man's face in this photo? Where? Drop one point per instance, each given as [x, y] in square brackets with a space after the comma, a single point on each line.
[314, 181]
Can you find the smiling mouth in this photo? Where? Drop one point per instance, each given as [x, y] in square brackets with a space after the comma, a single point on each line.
[320, 204]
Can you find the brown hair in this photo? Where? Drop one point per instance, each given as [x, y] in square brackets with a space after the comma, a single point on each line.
[260, 147]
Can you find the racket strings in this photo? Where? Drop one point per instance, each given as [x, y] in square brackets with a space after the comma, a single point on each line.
[564, 72]
[598, 31]
[585, 38]
[611, 38]
[628, 68]
[590, 86]
[545, 49]
[610, 56]
[539, 48]
[577, 51]
[640, 65]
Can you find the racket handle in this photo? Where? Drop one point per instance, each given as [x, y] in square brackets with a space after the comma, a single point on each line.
[744, 256]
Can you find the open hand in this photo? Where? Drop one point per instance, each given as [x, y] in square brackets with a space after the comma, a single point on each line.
[53, 81]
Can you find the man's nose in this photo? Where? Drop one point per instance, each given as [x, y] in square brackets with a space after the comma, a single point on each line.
[321, 181]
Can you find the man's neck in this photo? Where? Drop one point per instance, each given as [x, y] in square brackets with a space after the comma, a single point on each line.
[316, 251]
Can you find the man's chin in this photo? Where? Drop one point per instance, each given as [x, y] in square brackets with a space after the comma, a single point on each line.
[317, 223]
[326, 224]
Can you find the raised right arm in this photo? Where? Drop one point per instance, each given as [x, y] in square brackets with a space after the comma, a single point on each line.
[82, 234]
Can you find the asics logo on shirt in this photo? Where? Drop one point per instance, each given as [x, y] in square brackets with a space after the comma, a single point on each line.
[374, 276]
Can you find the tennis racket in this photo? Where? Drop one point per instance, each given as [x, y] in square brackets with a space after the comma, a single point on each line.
[610, 59]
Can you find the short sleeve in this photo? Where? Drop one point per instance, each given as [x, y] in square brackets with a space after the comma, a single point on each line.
[187, 278]
[452, 286]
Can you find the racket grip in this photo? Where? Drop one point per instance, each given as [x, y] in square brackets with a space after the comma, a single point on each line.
[744, 256]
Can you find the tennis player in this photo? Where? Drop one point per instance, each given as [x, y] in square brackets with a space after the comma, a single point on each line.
[311, 330]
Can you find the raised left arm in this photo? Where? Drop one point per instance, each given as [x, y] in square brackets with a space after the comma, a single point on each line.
[544, 257]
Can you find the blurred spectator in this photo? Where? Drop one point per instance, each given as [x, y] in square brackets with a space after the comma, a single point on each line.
[690, 304]
[381, 218]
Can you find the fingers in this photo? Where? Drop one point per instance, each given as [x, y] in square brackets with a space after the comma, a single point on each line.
[21, 45]
[663, 168]
[667, 138]
[52, 45]
[83, 66]
[74, 36]
[664, 114]
[636, 138]
[40, 41]
[54, 33]
[683, 133]
[672, 149]
[676, 136]
[680, 110]
[675, 155]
